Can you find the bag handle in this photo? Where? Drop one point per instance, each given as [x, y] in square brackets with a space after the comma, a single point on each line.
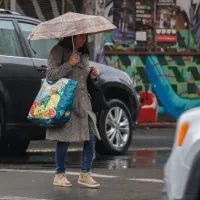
[62, 56]
[51, 82]
[91, 69]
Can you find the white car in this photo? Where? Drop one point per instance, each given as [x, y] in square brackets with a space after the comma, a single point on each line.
[182, 170]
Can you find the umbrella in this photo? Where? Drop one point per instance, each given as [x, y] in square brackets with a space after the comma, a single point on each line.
[71, 24]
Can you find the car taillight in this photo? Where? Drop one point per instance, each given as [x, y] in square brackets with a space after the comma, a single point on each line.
[182, 133]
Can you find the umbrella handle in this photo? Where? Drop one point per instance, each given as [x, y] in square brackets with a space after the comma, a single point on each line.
[73, 43]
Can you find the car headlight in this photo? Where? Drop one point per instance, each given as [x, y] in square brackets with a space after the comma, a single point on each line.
[182, 133]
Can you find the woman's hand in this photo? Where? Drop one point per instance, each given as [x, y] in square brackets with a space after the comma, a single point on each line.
[74, 59]
[95, 73]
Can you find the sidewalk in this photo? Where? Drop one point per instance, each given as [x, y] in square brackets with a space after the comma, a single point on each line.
[144, 137]
[157, 125]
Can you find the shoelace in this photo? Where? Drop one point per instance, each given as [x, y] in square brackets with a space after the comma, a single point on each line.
[63, 175]
[90, 176]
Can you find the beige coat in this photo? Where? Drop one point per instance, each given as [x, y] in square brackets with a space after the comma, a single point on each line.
[77, 129]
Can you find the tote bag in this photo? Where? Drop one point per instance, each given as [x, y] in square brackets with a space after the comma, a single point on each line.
[53, 104]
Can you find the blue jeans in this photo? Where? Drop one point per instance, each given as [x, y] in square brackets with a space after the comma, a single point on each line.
[88, 152]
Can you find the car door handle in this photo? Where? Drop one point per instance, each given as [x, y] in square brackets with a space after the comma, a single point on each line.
[42, 70]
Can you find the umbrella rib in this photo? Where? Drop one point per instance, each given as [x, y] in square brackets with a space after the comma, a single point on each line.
[71, 24]
[66, 22]
[75, 28]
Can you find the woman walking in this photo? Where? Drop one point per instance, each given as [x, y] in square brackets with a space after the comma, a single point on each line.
[82, 126]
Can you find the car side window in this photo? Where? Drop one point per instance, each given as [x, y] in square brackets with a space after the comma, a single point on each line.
[9, 41]
[42, 48]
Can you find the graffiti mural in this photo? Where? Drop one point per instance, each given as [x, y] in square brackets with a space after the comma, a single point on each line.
[166, 64]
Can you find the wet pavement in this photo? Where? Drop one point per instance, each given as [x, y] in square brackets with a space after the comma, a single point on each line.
[135, 175]
[142, 139]
[38, 185]
[133, 159]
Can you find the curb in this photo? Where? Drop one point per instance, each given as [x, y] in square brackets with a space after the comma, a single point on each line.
[157, 125]
[50, 150]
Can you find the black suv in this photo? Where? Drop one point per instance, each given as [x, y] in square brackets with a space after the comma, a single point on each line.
[21, 70]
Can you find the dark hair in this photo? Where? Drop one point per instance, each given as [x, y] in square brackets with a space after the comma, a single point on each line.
[67, 43]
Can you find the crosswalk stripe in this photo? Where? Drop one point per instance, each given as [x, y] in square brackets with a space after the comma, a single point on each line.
[53, 172]
[77, 174]
[146, 180]
[18, 198]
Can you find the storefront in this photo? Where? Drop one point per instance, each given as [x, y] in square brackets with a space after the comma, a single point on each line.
[157, 43]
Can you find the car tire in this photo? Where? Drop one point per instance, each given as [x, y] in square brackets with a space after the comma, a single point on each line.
[1, 127]
[11, 147]
[115, 126]
[1, 122]
[7, 146]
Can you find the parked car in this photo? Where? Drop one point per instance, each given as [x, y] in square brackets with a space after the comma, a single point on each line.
[182, 171]
[23, 66]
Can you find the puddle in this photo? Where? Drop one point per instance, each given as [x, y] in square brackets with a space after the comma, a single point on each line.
[133, 159]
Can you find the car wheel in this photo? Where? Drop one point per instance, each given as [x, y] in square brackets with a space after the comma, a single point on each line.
[14, 147]
[115, 126]
[1, 127]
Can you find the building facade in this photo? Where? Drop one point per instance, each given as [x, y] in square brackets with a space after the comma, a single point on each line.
[48, 9]
[158, 44]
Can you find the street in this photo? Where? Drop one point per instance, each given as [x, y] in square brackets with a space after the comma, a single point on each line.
[71, 65]
[136, 175]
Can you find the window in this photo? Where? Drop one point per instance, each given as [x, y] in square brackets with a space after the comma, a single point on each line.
[9, 41]
[41, 47]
